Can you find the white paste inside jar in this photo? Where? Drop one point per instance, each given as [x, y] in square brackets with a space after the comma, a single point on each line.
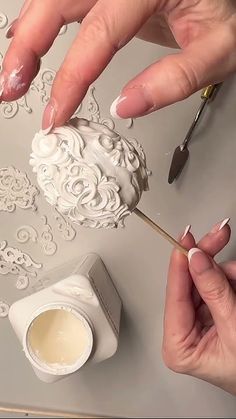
[58, 337]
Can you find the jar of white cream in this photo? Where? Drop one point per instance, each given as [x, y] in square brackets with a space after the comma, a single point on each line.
[71, 322]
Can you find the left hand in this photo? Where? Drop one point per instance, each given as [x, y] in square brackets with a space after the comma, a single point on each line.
[205, 31]
[200, 313]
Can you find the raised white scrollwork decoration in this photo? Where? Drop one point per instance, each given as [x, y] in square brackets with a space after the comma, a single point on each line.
[3, 20]
[10, 109]
[94, 110]
[14, 261]
[46, 239]
[64, 226]
[42, 84]
[22, 282]
[16, 190]
[4, 309]
[26, 233]
[90, 173]
[16, 256]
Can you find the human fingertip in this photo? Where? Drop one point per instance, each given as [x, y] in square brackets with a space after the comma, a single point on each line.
[49, 117]
[198, 260]
[224, 223]
[186, 231]
[219, 226]
[133, 102]
[113, 108]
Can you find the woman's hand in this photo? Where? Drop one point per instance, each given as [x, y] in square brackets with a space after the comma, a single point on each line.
[205, 30]
[200, 313]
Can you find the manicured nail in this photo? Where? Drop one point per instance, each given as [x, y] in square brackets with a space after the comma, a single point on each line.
[134, 102]
[186, 231]
[11, 29]
[114, 106]
[49, 117]
[199, 261]
[219, 226]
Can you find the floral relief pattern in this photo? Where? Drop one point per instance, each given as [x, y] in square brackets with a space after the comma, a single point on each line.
[28, 233]
[4, 309]
[77, 184]
[14, 261]
[64, 226]
[43, 83]
[3, 20]
[46, 239]
[16, 190]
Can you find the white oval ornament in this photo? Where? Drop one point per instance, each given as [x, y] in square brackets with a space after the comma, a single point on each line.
[90, 173]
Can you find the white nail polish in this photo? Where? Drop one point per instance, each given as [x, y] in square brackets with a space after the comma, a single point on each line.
[47, 130]
[226, 221]
[192, 252]
[186, 231]
[113, 107]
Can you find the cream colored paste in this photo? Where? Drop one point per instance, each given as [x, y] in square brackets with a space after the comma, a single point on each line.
[58, 337]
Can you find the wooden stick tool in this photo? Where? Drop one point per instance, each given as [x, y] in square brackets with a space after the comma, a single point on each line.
[162, 232]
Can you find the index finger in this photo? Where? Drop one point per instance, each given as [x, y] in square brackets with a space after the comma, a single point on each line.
[34, 32]
[107, 27]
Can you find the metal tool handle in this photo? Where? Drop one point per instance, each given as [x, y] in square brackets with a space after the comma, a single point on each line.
[210, 91]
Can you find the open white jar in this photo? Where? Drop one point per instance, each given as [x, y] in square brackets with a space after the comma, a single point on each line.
[74, 321]
[58, 340]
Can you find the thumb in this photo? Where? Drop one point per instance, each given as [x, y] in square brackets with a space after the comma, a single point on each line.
[177, 76]
[213, 287]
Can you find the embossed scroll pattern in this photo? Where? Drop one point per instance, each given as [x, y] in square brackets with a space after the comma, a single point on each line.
[14, 261]
[4, 309]
[3, 20]
[27, 233]
[64, 226]
[90, 193]
[46, 239]
[16, 190]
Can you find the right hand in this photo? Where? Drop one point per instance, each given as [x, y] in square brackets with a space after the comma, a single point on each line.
[200, 314]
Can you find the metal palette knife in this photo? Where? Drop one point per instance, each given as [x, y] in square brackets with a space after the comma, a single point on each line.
[181, 153]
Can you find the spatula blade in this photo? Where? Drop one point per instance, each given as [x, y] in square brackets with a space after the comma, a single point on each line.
[179, 159]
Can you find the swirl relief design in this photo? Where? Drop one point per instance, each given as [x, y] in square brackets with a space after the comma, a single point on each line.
[16, 190]
[89, 173]
[14, 261]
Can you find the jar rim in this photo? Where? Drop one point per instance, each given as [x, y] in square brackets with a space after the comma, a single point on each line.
[47, 368]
